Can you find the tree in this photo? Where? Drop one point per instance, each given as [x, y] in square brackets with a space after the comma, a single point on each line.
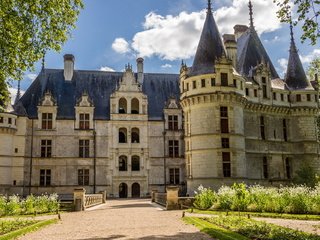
[308, 12]
[314, 68]
[28, 28]
[306, 175]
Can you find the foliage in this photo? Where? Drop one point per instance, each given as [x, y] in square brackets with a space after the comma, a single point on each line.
[306, 175]
[28, 28]
[205, 198]
[12, 225]
[14, 205]
[307, 12]
[295, 199]
[314, 68]
[260, 230]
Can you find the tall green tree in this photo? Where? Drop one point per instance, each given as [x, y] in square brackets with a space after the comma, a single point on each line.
[28, 28]
[314, 68]
[308, 13]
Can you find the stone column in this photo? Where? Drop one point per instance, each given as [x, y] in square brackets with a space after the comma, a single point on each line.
[104, 196]
[79, 199]
[172, 198]
[153, 195]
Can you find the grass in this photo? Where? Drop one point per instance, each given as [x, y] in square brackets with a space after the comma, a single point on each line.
[258, 214]
[26, 229]
[214, 230]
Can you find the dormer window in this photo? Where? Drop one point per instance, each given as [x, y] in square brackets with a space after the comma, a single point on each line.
[122, 106]
[308, 97]
[84, 121]
[46, 121]
[134, 106]
[224, 79]
[173, 122]
[264, 87]
[298, 98]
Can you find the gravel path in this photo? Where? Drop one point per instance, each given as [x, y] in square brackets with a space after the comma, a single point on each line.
[120, 219]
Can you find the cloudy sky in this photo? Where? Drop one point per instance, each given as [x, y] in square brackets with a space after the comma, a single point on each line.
[111, 33]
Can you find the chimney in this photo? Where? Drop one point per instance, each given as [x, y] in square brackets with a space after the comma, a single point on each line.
[239, 30]
[231, 47]
[68, 66]
[140, 70]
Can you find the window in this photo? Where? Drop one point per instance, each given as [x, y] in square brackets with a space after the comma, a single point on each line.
[264, 87]
[187, 86]
[16, 150]
[255, 93]
[262, 128]
[122, 135]
[9, 120]
[203, 83]
[173, 122]
[46, 120]
[173, 148]
[282, 97]
[84, 121]
[288, 168]
[226, 164]
[135, 163]
[1, 119]
[84, 146]
[135, 136]
[174, 175]
[308, 97]
[298, 98]
[45, 177]
[122, 106]
[225, 143]
[134, 106]
[123, 163]
[213, 82]
[265, 167]
[194, 84]
[83, 177]
[46, 147]
[241, 85]
[247, 91]
[224, 124]
[284, 127]
[234, 82]
[224, 79]
[274, 96]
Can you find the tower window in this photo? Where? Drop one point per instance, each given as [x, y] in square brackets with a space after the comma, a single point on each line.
[174, 175]
[1, 119]
[83, 177]
[265, 167]
[122, 135]
[225, 143]
[9, 120]
[274, 96]
[122, 106]
[46, 147]
[187, 86]
[288, 168]
[262, 128]
[247, 91]
[135, 163]
[213, 82]
[203, 83]
[224, 122]
[134, 106]
[264, 87]
[308, 97]
[298, 98]
[226, 164]
[123, 163]
[84, 146]
[284, 127]
[194, 84]
[173, 148]
[135, 135]
[46, 121]
[235, 83]
[255, 93]
[173, 122]
[84, 122]
[45, 177]
[224, 79]
[282, 97]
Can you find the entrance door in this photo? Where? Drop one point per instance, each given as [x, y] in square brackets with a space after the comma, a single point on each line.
[135, 191]
[123, 190]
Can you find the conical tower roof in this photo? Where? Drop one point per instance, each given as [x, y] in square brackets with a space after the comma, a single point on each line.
[251, 51]
[296, 77]
[210, 46]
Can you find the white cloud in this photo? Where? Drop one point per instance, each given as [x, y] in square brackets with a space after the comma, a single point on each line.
[13, 94]
[306, 59]
[283, 63]
[31, 76]
[120, 45]
[107, 69]
[176, 37]
[167, 65]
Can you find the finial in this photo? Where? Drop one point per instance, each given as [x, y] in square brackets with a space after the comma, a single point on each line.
[18, 94]
[251, 14]
[209, 6]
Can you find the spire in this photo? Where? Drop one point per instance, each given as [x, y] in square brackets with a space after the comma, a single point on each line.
[295, 77]
[18, 96]
[251, 14]
[210, 47]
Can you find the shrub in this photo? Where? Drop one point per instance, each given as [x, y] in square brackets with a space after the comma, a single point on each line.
[205, 198]
[225, 197]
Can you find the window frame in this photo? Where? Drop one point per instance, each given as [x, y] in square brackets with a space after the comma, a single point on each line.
[83, 177]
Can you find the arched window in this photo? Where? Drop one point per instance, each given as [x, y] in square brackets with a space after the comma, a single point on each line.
[123, 163]
[122, 135]
[122, 105]
[135, 135]
[134, 106]
[135, 163]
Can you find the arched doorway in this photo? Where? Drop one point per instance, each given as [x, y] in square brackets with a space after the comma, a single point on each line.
[135, 191]
[123, 190]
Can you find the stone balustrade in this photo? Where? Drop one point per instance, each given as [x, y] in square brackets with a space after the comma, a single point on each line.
[82, 200]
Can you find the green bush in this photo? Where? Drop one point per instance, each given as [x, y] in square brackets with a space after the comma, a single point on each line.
[205, 198]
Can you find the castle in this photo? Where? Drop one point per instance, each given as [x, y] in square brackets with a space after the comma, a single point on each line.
[227, 118]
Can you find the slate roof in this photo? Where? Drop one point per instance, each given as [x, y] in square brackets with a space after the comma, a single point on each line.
[99, 85]
[295, 77]
[251, 52]
[209, 49]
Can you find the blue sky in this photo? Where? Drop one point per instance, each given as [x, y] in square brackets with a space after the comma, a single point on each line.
[111, 33]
